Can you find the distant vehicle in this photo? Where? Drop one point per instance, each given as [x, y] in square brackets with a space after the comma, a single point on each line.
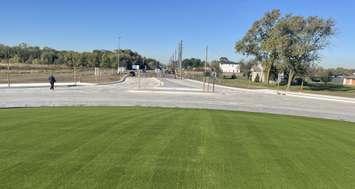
[135, 67]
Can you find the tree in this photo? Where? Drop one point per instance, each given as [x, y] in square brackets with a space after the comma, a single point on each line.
[224, 60]
[48, 57]
[339, 71]
[299, 40]
[215, 67]
[14, 59]
[105, 60]
[325, 76]
[152, 64]
[192, 63]
[253, 43]
[91, 60]
[291, 43]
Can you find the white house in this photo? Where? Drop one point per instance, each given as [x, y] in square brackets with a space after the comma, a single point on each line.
[230, 67]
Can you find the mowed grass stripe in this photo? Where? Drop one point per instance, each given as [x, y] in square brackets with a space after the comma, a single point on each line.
[180, 163]
[296, 167]
[51, 134]
[130, 147]
[237, 154]
[67, 150]
[332, 143]
[139, 156]
[108, 147]
[89, 150]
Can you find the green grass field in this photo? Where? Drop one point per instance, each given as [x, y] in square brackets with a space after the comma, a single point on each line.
[172, 148]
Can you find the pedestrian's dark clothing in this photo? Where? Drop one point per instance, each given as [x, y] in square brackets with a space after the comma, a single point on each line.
[51, 80]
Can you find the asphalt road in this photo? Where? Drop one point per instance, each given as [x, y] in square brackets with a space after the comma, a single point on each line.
[178, 93]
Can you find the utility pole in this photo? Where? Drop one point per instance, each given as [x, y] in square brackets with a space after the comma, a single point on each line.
[118, 54]
[8, 68]
[8, 73]
[174, 62]
[205, 73]
[206, 56]
[180, 58]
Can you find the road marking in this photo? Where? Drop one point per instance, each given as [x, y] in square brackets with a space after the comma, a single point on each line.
[170, 92]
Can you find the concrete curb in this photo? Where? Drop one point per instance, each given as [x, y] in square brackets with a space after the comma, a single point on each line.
[293, 94]
[43, 85]
[71, 84]
[321, 97]
[265, 91]
[123, 79]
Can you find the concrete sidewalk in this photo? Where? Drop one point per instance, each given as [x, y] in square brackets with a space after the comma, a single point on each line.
[42, 85]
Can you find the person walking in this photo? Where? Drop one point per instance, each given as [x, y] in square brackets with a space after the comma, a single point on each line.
[51, 80]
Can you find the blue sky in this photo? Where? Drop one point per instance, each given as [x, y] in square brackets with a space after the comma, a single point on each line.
[154, 27]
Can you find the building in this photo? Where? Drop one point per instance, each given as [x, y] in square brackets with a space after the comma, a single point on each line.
[349, 80]
[257, 73]
[230, 67]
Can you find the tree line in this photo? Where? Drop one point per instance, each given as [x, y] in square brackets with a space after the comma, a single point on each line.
[315, 73]
[198, 64]
[26, 54]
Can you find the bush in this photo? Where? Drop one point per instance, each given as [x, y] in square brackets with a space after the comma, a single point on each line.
[234, 76]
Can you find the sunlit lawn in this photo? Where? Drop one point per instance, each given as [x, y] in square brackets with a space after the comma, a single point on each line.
[172, 148]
